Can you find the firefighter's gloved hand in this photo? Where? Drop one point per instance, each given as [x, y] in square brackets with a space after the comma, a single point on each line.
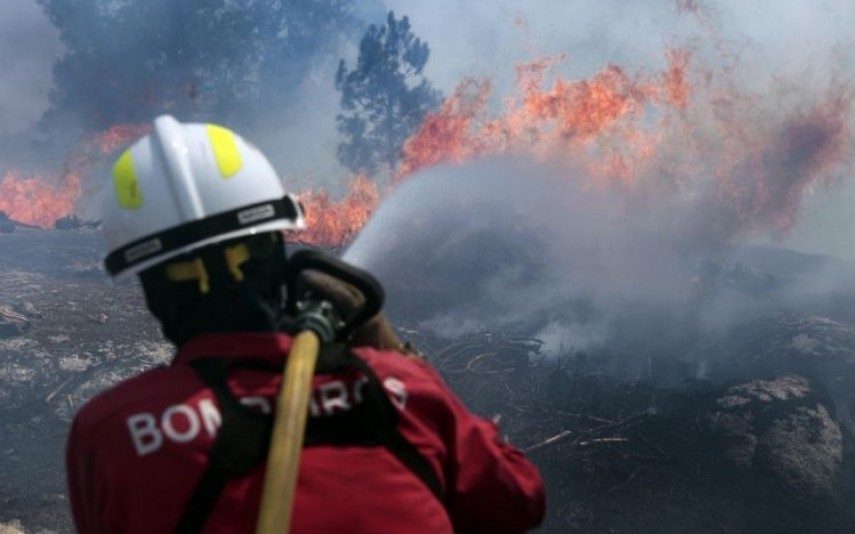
[377, 332]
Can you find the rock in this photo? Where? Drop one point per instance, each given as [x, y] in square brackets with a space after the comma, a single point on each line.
[794, 341]
[779, 428]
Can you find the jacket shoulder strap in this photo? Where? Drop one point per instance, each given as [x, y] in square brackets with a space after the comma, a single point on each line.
[387, 429]
[244, 435]
[240, 445]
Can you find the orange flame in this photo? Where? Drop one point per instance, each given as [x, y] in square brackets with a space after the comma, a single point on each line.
[34, 200]
[762, 181]
[333, 223]
[119, 136]
[645, 134]
[38, 201]
[651, 136]
[573, 117]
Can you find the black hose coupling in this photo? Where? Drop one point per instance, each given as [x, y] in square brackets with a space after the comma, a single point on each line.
[321, 317]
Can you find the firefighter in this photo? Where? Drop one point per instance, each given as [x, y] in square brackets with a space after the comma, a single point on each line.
[198, 214]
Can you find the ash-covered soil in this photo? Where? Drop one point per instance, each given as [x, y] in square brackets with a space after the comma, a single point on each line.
[742, 429]
[67, 333]
[770, 453]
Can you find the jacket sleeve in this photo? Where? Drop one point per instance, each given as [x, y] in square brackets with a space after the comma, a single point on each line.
[81, 490]
[491, 486]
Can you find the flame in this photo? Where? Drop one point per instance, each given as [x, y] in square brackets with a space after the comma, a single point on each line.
[650, 136]
[333, 223]
[682, 133]
[34, 200]
[39, 201]
[119, 136]
[762, 181]
[597, 115]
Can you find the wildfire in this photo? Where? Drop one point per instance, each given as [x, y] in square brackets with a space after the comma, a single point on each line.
[39, 201]
[119, 136]
[763, 183]
[598, 117]
[649, 136]
[34, 200]
[332, 223]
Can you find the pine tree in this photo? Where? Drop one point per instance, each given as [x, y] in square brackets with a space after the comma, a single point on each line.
[384, 98]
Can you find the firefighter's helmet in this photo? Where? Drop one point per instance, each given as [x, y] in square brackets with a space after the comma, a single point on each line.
[186, 186]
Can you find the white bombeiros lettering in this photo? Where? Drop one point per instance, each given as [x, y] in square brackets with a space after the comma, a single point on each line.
[358, 386]
[171, 422]
[144, 433]
[182, 423]
[211, 417]
[398, 391]
[334, 397]
[259, 403]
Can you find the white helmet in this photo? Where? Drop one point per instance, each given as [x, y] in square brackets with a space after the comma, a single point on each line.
[186, 186]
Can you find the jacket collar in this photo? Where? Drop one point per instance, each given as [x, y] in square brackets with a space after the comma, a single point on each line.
[272, 346]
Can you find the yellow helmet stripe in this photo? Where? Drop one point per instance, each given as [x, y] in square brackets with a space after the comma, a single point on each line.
[226, 151]
[125, 182]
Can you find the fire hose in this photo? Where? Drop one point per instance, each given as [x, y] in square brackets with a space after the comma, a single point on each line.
[318, 323]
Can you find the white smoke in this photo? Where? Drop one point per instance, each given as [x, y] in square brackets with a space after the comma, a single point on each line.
[522, 247]
[779, 52]
[518, 245]
[29, 45]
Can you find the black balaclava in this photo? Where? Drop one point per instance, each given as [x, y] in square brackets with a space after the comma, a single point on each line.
[253, 304]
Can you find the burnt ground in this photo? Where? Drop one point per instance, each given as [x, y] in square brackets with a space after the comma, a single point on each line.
[80, 334]
[759, 442]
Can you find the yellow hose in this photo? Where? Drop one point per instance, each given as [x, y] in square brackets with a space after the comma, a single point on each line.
[286, 443]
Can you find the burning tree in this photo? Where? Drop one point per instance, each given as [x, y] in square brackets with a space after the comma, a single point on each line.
[384, 98]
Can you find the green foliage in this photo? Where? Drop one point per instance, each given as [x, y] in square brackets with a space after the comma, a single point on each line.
[384, 98]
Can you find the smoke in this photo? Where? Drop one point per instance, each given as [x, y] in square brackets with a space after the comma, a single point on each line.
[788, 38]
[617, 199]
[529, 248]
[264, 69]
[28, 47]
[766, 62]
[498, 243]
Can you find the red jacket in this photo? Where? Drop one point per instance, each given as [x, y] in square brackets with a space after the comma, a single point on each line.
[136, 452]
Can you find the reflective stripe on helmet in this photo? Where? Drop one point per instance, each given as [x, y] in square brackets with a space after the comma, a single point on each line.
[226, 152]
[174, 239]
[125, 182]
[185, 186]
